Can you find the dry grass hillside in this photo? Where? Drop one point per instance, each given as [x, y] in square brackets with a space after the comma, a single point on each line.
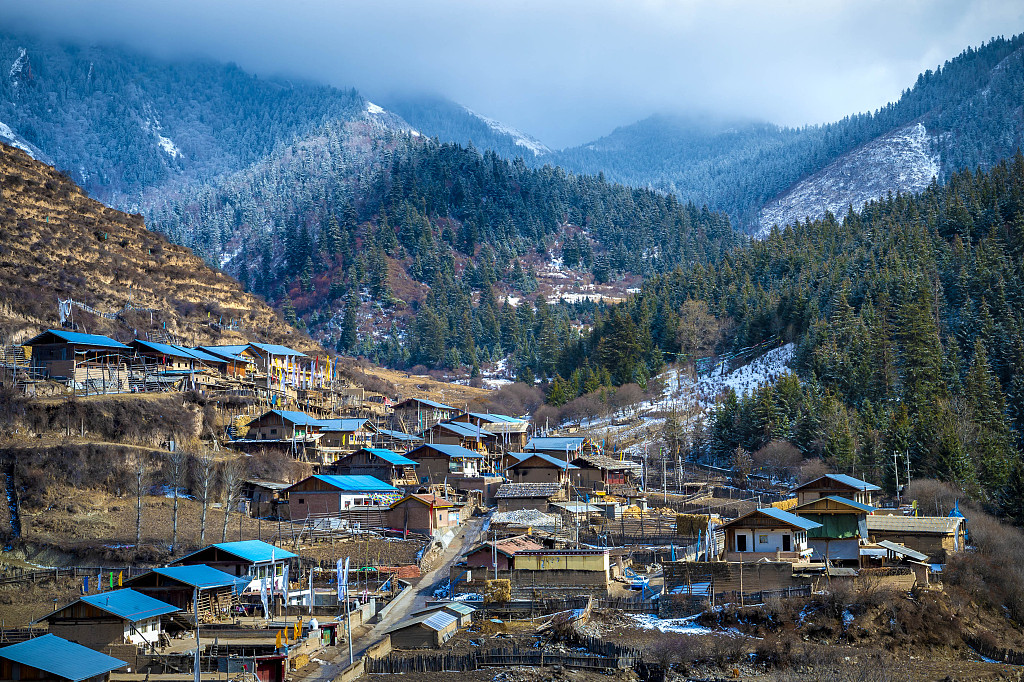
[57, 242]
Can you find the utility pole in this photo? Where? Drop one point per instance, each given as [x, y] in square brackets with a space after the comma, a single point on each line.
[896, 469]
[664, 477]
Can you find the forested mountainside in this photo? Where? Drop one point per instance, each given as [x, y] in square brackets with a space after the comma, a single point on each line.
[424, 247]
[120, 123]
[452, 122]
[57, 243]
[970, 108]
[909, 330]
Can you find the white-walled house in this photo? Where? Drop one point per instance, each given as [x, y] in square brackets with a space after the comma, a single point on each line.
[767, 533]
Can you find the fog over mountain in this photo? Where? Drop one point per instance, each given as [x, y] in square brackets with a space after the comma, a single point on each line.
[565, 72]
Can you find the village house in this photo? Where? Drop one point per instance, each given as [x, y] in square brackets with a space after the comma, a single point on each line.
[64, 355]
[238, 361]
[436, 462]
[418, 414]
[176, 358]
[842, 528]
[100, 620]
[537, 467]
[48, 657]
[254, 559]
[213, 590]
[603, 473]
[516, 496]
[284, 425]
[341, 437]
[423, 513]
[562, 447]
[936, 536]
[835, 485]
[381, 463]
[425, 631]
[457, 433]
[500, 552]
[325, 494]
[511, 432]
[767, 533]
[399, 441]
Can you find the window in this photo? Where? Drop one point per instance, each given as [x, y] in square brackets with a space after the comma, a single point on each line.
[273, 432]
[302, 500]
[762, 539]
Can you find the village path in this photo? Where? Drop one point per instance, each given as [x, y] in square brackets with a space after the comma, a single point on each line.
[330, 666]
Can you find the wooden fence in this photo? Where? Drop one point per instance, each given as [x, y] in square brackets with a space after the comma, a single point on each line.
[489, 658]
[28, 576]
[996, 654]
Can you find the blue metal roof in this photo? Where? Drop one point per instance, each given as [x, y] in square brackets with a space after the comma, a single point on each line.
[554, 443]
[783, 516]
[275, 349]
[465, 430]
[357, 484]
[496, 418]
[201, 576]
[166, 349]
[342, 424]
[867, 508]
[450, 451]
[255, 551]
[854, 483]
[202, 355]
[61, 658]
[390, 456]
[430, 403]
[398, 435]
[80, 339]
[435, 620]
[227, 352]
[295, 417]
[128, 604]
[523, 456]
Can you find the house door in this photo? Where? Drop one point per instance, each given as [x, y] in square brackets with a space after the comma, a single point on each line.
[786, 547]
[741, 543]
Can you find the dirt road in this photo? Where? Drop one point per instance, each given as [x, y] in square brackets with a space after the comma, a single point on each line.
[328, 666]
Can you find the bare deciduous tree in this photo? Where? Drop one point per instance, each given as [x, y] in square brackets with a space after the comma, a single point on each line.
[204, 471]
[231, 477]
[177, 468]
[143, 470]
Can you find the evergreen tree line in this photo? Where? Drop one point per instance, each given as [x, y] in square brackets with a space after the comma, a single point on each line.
[909, 332]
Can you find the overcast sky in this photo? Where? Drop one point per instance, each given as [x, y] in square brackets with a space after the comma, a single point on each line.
[566, 71]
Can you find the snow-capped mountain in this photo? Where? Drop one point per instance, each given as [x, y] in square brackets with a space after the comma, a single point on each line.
[905, 160]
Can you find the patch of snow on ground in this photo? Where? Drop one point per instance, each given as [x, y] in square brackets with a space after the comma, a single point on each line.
[168, 146]
[10, 138]
[17, 66]
[746, 379]
[686, 625]
[372, 108]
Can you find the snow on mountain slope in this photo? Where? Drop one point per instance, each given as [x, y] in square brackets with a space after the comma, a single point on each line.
[387, 119]
[520, 138]
[904, 161]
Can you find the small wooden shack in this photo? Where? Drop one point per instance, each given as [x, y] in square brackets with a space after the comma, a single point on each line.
[110, 618]
[176, 585]
[425, 631]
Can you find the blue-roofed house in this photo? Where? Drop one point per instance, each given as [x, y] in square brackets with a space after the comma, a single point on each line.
[417, 414]
[512, 432]
[842, 528]
[238, 360]
[382, 463]
[342, 437]
[767, 533]
[285, 425]
[175, 585]
[51, 658]
[537, 467]
[110, 618]
[253, 559]
[399, 441]
[60, 352]
[325, 494]
[835, 484]
[469, 436]
[563, 447]
[425, 631]
[435, 462]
